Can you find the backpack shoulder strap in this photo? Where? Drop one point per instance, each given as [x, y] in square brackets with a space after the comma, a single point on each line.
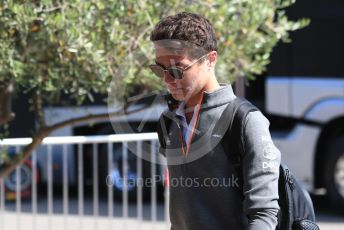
[237, 110]
[163, 128]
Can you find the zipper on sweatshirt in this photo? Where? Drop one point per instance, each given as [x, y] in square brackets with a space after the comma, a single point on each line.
[185, 151]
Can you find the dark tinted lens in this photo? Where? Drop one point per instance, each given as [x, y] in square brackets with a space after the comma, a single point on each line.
[157, 70]
[175, 73]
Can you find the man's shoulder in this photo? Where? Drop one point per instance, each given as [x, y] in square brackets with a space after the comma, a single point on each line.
[257, 119]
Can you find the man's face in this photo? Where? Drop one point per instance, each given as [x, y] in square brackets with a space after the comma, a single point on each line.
[193, 79]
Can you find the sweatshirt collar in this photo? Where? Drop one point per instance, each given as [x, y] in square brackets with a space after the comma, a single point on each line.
[220, 96]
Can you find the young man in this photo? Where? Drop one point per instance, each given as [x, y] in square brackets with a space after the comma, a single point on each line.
[204, 192]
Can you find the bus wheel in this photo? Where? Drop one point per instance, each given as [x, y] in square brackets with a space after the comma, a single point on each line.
[334, 172]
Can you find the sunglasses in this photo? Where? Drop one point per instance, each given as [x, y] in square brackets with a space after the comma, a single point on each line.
[174, 71]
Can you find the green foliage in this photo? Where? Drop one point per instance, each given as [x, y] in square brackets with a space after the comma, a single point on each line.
[78, 47]
[247, 31]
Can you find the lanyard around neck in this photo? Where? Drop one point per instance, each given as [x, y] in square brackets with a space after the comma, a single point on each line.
[185, 152]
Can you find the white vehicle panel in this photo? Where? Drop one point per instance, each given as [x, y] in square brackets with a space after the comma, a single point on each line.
[307, 92]
[298, 149]
[59, 114]
[293, 97]
[326, 110]
[277, 96]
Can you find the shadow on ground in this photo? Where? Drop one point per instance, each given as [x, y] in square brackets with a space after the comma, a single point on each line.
[325, 212]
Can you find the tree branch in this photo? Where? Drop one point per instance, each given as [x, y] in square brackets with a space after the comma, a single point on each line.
[38, 107]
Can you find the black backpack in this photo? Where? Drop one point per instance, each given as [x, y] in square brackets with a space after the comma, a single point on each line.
[296, 207]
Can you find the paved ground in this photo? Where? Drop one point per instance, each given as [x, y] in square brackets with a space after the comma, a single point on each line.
[9, 219]
[58, 222]
[328, 218]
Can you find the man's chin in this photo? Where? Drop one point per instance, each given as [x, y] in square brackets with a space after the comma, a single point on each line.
[178, 96]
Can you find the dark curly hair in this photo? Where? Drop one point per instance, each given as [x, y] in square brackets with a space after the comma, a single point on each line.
[189, 27]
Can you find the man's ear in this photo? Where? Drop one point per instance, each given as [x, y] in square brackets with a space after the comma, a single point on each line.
[212, 59]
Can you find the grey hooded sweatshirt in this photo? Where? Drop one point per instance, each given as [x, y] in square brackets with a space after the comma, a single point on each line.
[205, 193]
